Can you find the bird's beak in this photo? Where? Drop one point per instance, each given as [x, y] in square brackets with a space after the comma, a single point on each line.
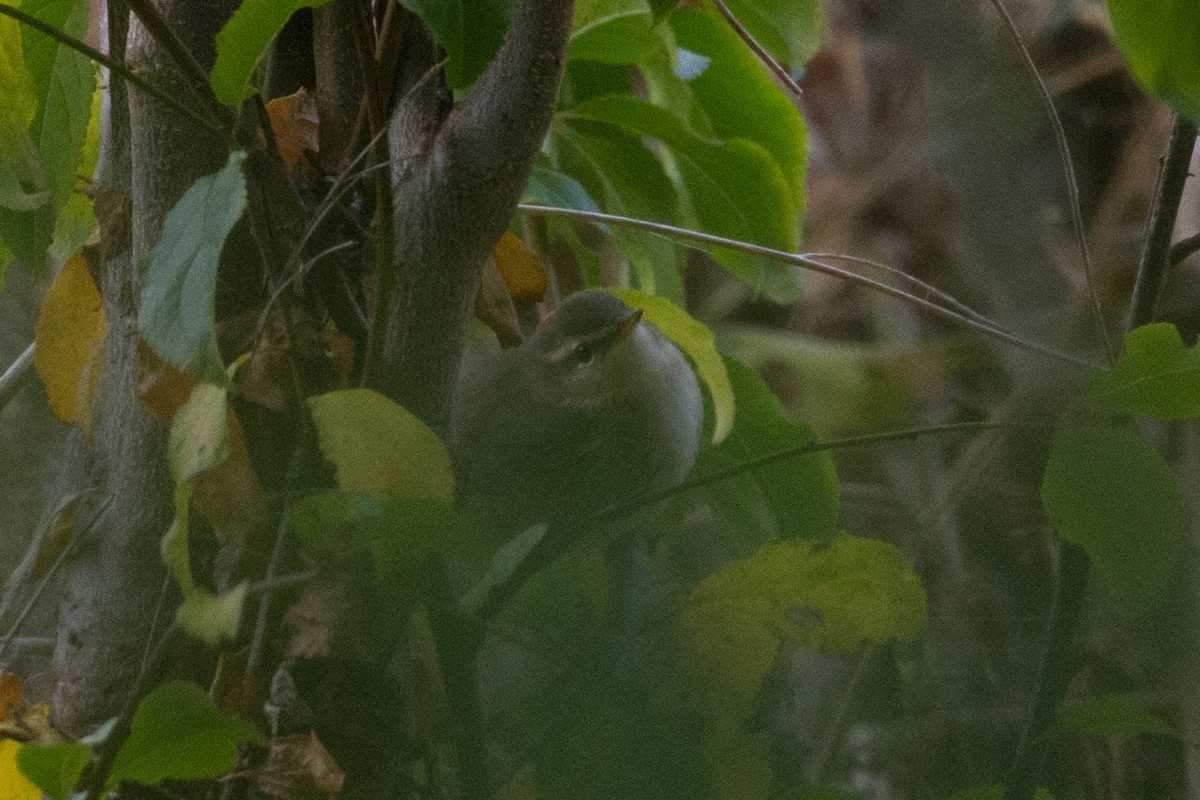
[628, 325]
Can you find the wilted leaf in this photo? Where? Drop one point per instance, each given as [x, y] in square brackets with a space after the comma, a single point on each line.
[13, 784]
[379, 448]
[70, 334]
[179, 282]
[199, 438]
[1161, 41]
[470, 31]
[1113, 715]
[1156, 377]
[830, 598]
[55, 769]
[244, 39]
[1109, 492]
[696, 340]
[299, 767]
[178, 733]
[296, 125]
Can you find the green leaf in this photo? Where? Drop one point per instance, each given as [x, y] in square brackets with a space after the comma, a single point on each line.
[379, 448]
[1161, 41]
[830, 598]
[23, 184]
[244, 39]
[1156, 377]
[696, 340]
[55, 769]
[612, 32]
[399, 534]
[1113, 715]
[624, 175]
[199, 437]
[179, 282]
[792, 497]
[212, 618]
[178, 733]
[470, 31]
[1109, 492]
[552, 188]
[736, 188]
[741, 99]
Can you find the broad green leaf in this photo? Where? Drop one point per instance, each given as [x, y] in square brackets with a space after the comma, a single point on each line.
[612, 31]
[178, 733]
[831, 598]
[22, 181]
[1113, 715]
[740, 98]
[620, 172]
[76, 222]
[379, 448]
[179, 282]
[399, 534]
[995, 792]
[792, 497]
[696, 340]
[470, 31]
[244, 39]
[55, 769]
[790, 30]
[211, 618]
[1161, 41]
[1109, 492]
[199, 438]
[735, 187]
[552, 188]
[1156, 377]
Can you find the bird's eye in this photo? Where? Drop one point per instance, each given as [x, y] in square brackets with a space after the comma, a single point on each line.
[583, 353]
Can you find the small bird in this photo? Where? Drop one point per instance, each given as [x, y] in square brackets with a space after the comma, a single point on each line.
[596, 406]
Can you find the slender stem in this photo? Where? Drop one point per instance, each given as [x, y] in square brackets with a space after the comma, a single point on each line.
[116, 66]
[781, 74]
[558, 540]
[1068, 169]
[1184, 248]
[254, 659]
[195, 75]
[14, 377]
[1156, 252]
[972, 321]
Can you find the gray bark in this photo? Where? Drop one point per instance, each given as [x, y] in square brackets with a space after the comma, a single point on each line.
[457, 178]
[113, 584]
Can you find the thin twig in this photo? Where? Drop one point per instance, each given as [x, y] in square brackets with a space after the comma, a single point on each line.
[558, 540]
[674, 232]
[1155, 261]
[194, 74]
[254, 659]
[1184, 248]
[14, 377]
[1068, 169]
[117, 67]
[781, 74]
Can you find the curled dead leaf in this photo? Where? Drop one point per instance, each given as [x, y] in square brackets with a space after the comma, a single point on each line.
[295, 122]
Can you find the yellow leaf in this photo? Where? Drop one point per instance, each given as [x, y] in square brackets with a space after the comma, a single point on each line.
[379, 448]
[211, 618]
[70, 332]
[696, 340]
[14, 785]
[521, 269]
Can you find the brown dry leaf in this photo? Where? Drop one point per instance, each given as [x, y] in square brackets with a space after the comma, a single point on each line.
[12, 697]
[315, 622]
[296, 123]
[298, 767]
[494, 306]
[161, 388]
[229, 495]
[521, 269]
[70, 332]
